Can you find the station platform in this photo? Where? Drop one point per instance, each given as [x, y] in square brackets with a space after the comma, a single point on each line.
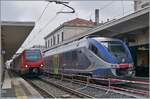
[16, 87]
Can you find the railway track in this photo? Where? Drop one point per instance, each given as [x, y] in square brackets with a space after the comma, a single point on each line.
[53, 90]
[93, 90]
[133, 90]
[41, 90]
[71, 87]
[126, 89]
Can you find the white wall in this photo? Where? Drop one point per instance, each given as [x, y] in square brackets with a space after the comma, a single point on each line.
[70, 32]
[51, 38]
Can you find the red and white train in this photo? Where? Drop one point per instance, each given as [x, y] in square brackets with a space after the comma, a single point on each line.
[29, 61]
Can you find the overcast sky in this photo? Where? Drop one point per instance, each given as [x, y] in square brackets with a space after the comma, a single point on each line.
[31, 10]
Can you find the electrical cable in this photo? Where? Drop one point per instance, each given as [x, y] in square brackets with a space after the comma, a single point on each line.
[45, 26]
[43, 12]
[122, 7]
[57, 2]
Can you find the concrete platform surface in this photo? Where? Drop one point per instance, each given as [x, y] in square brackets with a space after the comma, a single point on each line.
[16, 87]
[7, 81]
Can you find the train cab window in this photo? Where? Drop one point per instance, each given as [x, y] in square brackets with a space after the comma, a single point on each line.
[94, 49]
[98, 52]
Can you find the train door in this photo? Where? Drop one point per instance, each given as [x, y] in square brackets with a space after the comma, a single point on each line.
[56, 64]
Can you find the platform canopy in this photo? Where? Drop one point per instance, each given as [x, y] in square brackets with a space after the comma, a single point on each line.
[129, 24]
[13, 34]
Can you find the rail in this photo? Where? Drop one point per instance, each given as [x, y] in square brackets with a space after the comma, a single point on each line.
[42, 91]
[110, 81]
[75, 92]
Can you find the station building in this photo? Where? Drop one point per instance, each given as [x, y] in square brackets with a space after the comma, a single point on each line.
[68, 30]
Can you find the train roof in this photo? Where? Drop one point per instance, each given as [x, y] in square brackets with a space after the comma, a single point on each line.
[31, 49]
[105, 39]
[101, 38]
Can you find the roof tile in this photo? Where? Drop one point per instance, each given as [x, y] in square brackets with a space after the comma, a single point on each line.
[80, 21]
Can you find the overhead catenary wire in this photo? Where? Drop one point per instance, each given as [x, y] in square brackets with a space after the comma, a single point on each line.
[39, 18]
[57, 2]
[43, 12]
[44, 27]
[122, 3]
[34, 37]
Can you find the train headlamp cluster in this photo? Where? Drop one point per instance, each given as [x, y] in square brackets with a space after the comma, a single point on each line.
[115, 66]
[26, 65]
[41, 65]
[122, 65]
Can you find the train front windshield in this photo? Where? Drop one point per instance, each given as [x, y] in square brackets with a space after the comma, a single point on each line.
[114, 46]
[117, 49]
[33, 55]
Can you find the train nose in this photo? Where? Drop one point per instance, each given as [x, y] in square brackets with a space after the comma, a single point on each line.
[129, 72]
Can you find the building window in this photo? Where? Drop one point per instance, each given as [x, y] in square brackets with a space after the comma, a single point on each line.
[48, 43]
[62, 36]
[57, 38]
[53, 40]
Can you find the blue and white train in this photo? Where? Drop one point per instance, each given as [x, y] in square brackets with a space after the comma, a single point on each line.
[92, 56]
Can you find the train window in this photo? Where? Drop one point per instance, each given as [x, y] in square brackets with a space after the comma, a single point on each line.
[99, 53]
[94, 49]
[114, 46]
[33, 55]
[67, 55]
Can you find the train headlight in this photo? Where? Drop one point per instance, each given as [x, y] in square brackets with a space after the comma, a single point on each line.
[41, 65]
[26, 65]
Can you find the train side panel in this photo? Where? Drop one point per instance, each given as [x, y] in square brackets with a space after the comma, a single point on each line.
[69, 62]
